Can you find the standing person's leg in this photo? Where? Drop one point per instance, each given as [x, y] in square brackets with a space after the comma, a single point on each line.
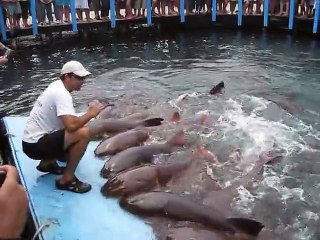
[143, 8]
[220, 6]
[303, 11]
[286, 3]
[10, 7]
[281, 7]
[86, 10]
[25, 12]
[209, 5]
[17, 14]
[66, 11]
[105, 8]
[128, 10]
[258, 7]
[96, 6]
[79, 13]
[48, 8]
[40, 12]
[137, 8]
[118, 8]
[233, 5]
[56, 11]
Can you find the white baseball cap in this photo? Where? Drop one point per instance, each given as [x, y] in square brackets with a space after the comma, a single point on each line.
[76, 68]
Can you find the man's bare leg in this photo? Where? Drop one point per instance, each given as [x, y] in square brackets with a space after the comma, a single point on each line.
[76, 143]
[45, 163]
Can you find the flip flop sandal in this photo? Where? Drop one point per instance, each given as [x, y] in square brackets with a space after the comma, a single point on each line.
[75, 186]
[52, 168]
[62, 160]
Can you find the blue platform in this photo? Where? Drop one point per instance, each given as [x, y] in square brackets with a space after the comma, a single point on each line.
[67, 215]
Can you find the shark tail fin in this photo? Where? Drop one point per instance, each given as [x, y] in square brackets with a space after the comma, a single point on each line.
[247, 226]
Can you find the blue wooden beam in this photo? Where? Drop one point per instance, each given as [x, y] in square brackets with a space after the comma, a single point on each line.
[2, 25]
[181, 10]
[316, 17]
[113, 13]
[149, 12]
[73, 15]
[34, 17]
[240, 10]
[214, 10]
[265, 13]
[291, 13]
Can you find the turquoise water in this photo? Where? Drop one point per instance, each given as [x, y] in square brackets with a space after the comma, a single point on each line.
[271, 99]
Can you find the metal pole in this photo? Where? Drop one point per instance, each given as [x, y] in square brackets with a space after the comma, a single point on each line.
[265, 13]
[316, 16]
[291, 14]
[214, 10]
[113, 13]
[181, 10]
[240, 9]
[2, 25]
[73, 15]
[34, 17]
[149, 12]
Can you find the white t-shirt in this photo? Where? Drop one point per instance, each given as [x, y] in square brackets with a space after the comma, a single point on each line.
[55, 101]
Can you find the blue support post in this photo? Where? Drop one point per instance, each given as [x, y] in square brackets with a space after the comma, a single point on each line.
[265, 13]
[214, 10]
[2, 25]
[316, 16]
[181, 10]
[113, 13]
[34, 17]
[291, 14]
[240, 9]
[73, 15]
[149, 12]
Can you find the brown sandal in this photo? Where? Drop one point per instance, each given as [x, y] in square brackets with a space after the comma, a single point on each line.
[75, 186]
[53, 168]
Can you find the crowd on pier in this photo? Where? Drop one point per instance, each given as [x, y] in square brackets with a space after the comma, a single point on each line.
[17, 13]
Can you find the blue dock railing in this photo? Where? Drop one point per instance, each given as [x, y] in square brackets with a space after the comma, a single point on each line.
[113, 13]
[182, 15]
[316, 16]
[265, 13]
[149, 12]
[240, 7]
[2, 25]
[34, 17]
[181, 11]
[73, 15]
[291, 13]
[214, 10]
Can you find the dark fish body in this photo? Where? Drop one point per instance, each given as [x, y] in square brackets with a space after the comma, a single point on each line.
[217, 88]
[142, 178]
[136, 116]
[181, 208]
[135, 156]
[120, 142]
[109, 112]
[132, 157]
[100, 126]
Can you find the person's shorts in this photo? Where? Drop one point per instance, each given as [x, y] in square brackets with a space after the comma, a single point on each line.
[49, 146]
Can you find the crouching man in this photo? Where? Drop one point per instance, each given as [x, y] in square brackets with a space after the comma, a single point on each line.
[53, 131]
